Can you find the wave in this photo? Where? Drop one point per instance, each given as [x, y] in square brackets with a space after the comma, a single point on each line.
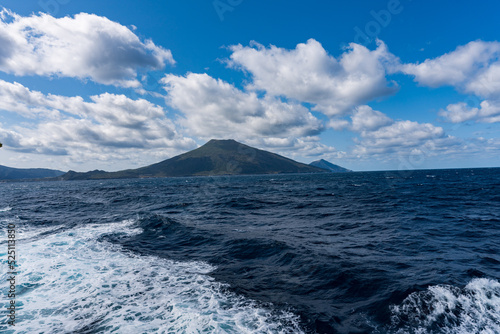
[7, 208]
[70, 283]
[449, 309]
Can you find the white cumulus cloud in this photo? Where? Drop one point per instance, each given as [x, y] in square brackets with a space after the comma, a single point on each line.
[214, 108]
[379, 135]
[487, 112]
[85, 46]
[404, 137]
[363, 118]
[459, 68]
[309, 74]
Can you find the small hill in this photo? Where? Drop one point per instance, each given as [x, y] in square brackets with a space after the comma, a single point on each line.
[216, 157]
[9, 173]
[329, 166]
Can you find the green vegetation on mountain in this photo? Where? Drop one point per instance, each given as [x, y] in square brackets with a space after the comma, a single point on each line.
[217, 157]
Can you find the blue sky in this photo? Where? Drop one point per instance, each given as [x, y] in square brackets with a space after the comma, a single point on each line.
[369, 85]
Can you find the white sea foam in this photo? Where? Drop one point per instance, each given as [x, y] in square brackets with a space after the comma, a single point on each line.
[448, 309]
[69, 282]
[7, 208]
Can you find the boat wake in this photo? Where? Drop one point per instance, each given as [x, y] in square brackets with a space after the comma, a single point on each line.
[74, 281]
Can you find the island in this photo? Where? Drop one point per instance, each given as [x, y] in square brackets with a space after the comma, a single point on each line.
[216, 157]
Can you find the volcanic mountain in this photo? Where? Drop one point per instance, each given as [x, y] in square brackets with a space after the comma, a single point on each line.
[216, 157]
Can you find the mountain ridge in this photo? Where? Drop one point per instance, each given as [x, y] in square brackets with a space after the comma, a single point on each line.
[11, 173]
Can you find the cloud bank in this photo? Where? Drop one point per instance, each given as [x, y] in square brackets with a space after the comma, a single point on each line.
[70, 126]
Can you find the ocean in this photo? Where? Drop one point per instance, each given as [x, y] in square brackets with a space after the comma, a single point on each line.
[366, 252]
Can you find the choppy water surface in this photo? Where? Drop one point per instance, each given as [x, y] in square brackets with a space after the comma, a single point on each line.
[378, 252]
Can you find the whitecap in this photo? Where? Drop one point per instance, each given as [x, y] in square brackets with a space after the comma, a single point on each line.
[7, 208]
[449, 309]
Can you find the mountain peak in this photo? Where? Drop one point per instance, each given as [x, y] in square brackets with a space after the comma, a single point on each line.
[222, 143]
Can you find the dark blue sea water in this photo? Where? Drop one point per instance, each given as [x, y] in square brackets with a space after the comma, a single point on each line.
[377, 252]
